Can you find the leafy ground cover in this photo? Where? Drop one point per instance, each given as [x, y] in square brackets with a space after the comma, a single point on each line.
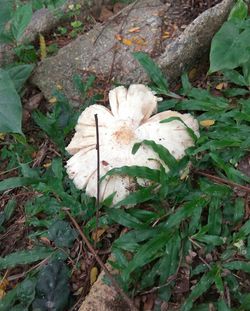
[186, 242]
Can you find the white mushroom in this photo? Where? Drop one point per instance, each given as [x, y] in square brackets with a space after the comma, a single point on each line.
[127, 123]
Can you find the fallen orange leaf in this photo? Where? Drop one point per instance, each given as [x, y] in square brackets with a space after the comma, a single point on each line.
[126, 41]
[96, 234]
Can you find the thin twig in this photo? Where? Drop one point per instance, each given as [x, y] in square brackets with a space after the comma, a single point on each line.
[223, 181]
[98, 259]
[98, 174]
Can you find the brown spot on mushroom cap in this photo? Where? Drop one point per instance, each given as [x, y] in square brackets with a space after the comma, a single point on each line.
[124, 135]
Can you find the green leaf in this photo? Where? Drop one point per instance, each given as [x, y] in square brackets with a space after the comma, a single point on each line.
[237, 265]
[25, 257]
[9, 209]
[147, 252]
[189, 130]
[61, 233]
[222, 306]
[123, 218]
[201, 287]
[235, 77]
[135, 171]
[5, 12]
[21, 20]
[15, 182]
[19, 75]
[137, 197]
[230, 48]
[162, 152]
[152, 70]
[10, 105]
[184, 212]
[239, 11]
[214, 216]
[52, 289]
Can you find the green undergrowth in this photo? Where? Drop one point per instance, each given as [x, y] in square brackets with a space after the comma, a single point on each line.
[186, 228]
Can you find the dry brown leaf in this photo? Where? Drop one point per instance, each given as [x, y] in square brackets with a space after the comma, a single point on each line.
[118, 37]
[96, 234]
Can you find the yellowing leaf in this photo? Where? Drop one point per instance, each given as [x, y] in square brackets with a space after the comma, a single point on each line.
[46, 165]
[42, 43]
[96, 234]
[126, 41]
[207, 123]
[220, 86]
[53, 100]
[2, 136]
[93, 275]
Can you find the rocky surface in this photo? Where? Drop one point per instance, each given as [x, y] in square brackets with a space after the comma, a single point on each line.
[106, 49]
[45, 20]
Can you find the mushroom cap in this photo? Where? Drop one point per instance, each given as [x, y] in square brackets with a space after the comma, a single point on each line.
[128, 122]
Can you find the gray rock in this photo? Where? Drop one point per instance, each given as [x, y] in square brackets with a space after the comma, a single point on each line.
[195, 41]
[44, 20]
[99, 51]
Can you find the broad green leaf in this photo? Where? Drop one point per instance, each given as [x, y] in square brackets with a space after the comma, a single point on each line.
[152, 70]
[235, 77]
[189, 130]
[239, 11]
[170, 259]
[135, 171]
[147, 252]
[5, 12]
[137, 197]
[19, 74]
[237, 265]
[9, 209]
[25, 257]
[184, 212]
[162, 152]
[122, 217]
[21, 20]
[10, 105]
[214, 216]
[201, 287]
[15, 182]
[239, 210]
[222, 306]
[246, 72]
[230, 48]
